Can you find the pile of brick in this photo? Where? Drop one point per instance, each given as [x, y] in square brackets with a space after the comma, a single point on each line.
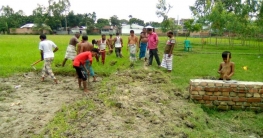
[227, 95]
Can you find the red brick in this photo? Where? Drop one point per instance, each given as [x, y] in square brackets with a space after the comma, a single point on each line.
[231, 103]
[225, 89]
[242, 99]
[256, 95]
[217, 89]
[213, 98]
[233, 85]
[226, 85]
[218, 84]
[241, 94]
[205, 97]
[203, 84]
[222, 98]
[233, 94]
[239, 99]
[261, 91]
[223, 107]
[194, 93]
[225, 93]
[253, 100]
[209, 89]
[234, 89]
[242, 90]
[235, 107]
[217, 93]
[209, 93]
[248, 95]
[239, 103]
[208, 102]
[201, 92]
[197, 97]
[197, 88]
[253, 90]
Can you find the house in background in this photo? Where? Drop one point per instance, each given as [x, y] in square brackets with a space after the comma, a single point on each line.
[109, 30]
[26, 29]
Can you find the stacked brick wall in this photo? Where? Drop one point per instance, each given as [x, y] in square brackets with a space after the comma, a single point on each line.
[236, 95]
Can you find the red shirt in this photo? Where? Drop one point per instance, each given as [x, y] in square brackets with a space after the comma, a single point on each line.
[81, 58]
[152, 40]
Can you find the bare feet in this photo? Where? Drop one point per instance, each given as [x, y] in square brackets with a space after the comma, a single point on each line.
[86, 90]
[56, 81]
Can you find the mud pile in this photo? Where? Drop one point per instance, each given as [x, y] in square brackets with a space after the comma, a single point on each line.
[134, 103]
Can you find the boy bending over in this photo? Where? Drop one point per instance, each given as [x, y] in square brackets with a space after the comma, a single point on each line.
[80, 61]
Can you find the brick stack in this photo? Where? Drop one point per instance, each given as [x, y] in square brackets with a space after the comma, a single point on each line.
[236, 95]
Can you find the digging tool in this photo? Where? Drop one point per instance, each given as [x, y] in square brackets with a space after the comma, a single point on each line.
[88, 73]
[33, 65]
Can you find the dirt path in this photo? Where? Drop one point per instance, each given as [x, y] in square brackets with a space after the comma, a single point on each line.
[27, 104]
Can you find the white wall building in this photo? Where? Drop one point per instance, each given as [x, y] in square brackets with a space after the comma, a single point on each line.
[125, 28]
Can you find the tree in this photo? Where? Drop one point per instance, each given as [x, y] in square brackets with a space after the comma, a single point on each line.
[153, 24]
[102, 22]
[191, 26]
[89, 19]
[6, 13]
[115, 21]
[168, 25]
[40, 18]
[72, 19]
[136, 21]
[163, 9]
[124, 21]
[57, 10]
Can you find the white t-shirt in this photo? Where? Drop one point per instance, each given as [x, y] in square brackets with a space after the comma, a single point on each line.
[118, 42]
[102, 45]
[47, 47]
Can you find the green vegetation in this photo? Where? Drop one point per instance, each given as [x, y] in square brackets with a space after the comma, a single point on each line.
[18, 52]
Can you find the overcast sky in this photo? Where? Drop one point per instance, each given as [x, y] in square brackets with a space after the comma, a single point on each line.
[142, 9]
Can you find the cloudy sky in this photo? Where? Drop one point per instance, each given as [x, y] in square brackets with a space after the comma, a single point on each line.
[142, 9]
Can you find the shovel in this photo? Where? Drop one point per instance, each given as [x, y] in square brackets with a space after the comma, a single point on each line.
[33, 65]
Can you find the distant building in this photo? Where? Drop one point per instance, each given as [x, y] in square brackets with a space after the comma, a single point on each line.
[125, 28]
[109, 30]
[26, 29]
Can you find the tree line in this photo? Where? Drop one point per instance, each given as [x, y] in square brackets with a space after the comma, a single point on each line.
[232, 18]
[58, 15]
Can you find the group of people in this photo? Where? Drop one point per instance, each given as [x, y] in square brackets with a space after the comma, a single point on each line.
[82, 53]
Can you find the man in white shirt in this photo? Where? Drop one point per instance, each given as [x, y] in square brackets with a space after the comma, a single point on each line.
[47, 54]
[117, 41]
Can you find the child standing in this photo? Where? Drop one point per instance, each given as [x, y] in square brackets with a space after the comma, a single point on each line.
[226, 68]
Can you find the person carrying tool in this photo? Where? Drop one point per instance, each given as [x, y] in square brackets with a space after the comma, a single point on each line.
[80, 60]
[47, 54]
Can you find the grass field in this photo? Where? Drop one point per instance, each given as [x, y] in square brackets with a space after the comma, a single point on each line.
[18, 52]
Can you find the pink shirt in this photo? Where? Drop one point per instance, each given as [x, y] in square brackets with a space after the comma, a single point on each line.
[81, 58]
[152, 40]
